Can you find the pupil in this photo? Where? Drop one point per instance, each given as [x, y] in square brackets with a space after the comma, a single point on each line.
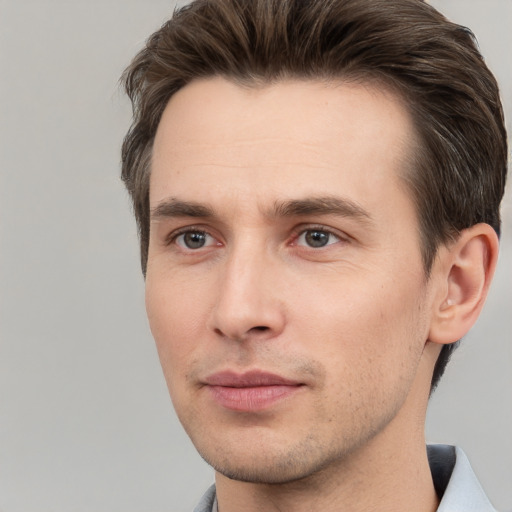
[317, 238]
[194, 240]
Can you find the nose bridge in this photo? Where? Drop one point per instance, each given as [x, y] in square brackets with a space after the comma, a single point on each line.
[247, 301]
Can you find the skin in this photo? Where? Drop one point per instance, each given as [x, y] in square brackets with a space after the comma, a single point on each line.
[354, 321]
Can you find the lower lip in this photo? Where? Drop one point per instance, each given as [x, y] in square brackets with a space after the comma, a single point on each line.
[251, 399]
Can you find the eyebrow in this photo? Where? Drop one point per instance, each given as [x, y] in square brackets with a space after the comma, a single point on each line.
[175, 208]
[326, 205]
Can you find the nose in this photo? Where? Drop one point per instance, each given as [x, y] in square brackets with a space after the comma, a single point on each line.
[248, 304]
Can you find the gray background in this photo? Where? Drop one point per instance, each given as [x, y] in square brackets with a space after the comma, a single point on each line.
[85, 420]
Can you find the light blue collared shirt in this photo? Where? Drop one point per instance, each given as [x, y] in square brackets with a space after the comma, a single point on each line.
[455, 481]
[453, 477]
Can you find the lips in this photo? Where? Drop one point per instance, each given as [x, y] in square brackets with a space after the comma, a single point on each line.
[250, 392]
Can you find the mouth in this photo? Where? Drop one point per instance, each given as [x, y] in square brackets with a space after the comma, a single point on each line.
[250, 392]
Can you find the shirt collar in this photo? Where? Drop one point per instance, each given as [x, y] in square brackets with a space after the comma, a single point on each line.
[455, 481]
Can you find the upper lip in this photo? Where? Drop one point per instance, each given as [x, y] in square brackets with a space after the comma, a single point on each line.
[249, 379]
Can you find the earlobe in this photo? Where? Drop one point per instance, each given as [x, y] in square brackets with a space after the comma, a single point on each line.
[465, 270]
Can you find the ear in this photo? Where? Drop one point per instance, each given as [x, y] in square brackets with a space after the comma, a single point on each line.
[464, 272]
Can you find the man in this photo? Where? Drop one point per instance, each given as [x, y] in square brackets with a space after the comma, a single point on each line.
[317, 189]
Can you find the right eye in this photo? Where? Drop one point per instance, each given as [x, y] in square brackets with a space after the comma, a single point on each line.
[194, 239]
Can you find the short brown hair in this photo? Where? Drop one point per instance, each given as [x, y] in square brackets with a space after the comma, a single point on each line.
[460, 167]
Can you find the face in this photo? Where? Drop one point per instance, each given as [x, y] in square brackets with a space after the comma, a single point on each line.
[285, 287]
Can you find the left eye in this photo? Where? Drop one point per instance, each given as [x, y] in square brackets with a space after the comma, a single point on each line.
[316, 238]
[194, 240]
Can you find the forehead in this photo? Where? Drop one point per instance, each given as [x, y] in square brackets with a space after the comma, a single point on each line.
[266, 141]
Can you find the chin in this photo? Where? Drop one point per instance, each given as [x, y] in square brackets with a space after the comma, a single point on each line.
[271, 466]
[257, 473]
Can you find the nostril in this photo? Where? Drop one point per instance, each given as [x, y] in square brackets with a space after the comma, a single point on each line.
[258, 328]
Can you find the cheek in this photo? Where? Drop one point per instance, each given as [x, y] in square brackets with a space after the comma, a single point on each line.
[365, 326]
[176, 318]
[173, 329]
